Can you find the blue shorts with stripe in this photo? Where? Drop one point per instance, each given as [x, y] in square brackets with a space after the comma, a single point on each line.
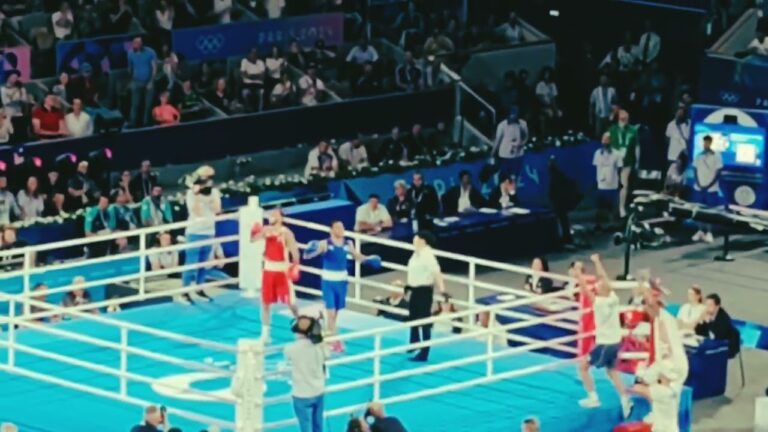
[334, 294]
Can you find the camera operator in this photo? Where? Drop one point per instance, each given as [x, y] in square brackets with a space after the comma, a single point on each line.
[203, 204]
[307, 359]
[155, 420]
[381, 422]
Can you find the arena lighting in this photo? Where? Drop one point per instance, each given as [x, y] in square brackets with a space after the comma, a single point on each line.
[554, 13]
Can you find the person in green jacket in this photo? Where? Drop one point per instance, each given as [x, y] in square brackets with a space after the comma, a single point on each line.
[156, 209]
[624, 140]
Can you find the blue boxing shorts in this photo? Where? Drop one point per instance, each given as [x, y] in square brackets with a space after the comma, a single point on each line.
[334, 293]
[604, 356]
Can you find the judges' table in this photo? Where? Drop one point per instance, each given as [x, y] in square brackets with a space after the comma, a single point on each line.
[707, 368]
[496, 235]
[540, 332]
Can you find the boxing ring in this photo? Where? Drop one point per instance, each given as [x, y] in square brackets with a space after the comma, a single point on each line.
[96, 371]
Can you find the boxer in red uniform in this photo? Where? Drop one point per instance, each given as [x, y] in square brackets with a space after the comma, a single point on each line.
[278, 270]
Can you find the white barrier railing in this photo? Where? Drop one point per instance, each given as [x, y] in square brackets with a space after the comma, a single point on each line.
[28, 320]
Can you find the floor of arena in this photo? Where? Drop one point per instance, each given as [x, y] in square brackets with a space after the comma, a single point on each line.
[38, 406]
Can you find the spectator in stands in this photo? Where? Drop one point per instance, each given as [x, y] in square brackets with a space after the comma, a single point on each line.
[276, 65]
[143, 182]
[649, 46]
[625, 56]
[707, 168]
[78, 122]
[473, 37]
[504, 195]
[525, 94]
[166, 114]
[6, 127]
[420, 145]
[509, 145]
[54, 205]
[400, 206]
[396, 149]
[608, 163]
[62, 21]
[81, 188]
[164, 260]
[438, 43]
[600, 102]
[368, 84]
[372, 217]
[678, 132]
[531, 424]
[547, 95]
[322, 57]
[61, 87]
[408, 76]
[48, 120]
[142, 68]
[433, 73]
[120, 21]
[220, 97]
[296, 56]
[252, 72]
[358, 56]
[353, 155]
[15, 102]
[99, 220]
[511, 32]
[155, 419]
[88, 22]
[717, 324]
[84, 87]
[758, 45]
[425, 199]
[222, 11]
[190, 100]
[381, 421]
[40, 294]
[321, 161]
[463, 198]
[8, 206]
[624, 140]
[311, 81]
[283, 93]
[693, 311]
[30, 201]
[185, 14]
[275, 8]
[122, 246]
[125, 219]
[164, 15]
[204, 79]
[674, 182]
[156, 209]
[409, 25]
[77, 296]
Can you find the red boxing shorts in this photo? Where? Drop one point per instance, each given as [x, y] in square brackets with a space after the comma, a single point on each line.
[275, 287]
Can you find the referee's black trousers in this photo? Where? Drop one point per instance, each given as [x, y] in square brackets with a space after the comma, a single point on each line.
[420, 306]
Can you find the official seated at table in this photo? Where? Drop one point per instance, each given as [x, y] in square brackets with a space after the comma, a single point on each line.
[692, 312]
[462, 198]
[535, 282]
[372, 217]
[717, 324]
[400, 206]
[504, 195]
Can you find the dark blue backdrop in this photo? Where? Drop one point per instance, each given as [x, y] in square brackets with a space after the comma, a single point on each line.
[236, 39]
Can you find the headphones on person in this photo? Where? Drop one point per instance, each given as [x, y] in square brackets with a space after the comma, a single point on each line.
[313, 332]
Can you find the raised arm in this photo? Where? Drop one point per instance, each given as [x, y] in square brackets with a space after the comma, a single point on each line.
[604, 286]
[322, 247]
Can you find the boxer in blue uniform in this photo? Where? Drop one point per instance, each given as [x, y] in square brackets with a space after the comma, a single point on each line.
[334, 280]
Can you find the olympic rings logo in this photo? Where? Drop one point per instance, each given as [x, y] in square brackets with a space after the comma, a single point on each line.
[210, 44]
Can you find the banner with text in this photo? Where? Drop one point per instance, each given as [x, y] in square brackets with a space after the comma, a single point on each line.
[103, 54]
[236, 39]
[16, 59]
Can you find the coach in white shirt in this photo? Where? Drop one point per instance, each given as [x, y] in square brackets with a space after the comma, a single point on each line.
[600, 105]
[706, 187]
[509, 146]
[608, 163]
[423, 274]
[678, 132]
[78, 122]
[372, 217]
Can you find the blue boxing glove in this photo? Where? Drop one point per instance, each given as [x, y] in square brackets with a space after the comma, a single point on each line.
[312, 248]
[373, 261]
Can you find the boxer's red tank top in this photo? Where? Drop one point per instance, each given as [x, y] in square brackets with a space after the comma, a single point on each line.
[274, 248]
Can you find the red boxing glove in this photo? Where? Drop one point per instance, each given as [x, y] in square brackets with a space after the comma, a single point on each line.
[256, 229]
[294, 273]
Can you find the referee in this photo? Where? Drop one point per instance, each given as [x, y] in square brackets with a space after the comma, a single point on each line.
[423, 274]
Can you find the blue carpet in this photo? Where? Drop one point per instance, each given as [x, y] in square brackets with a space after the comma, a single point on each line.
[36, 406]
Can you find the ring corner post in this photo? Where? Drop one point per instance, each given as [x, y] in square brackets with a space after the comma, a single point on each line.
[251, 252]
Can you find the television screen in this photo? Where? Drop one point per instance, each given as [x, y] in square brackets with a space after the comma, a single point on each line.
[739, 146]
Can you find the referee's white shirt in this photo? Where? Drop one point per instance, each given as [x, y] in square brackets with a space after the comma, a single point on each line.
[307, 372]
[422, 268]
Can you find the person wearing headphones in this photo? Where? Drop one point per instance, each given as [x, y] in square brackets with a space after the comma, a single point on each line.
[306, 356]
